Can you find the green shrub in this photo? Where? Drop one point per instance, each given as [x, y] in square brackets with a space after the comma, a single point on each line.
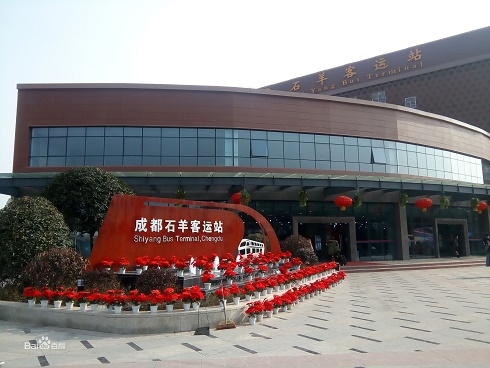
[54, 267]
[11, 291]
[100, 279]
[156, 279]
[28, 226]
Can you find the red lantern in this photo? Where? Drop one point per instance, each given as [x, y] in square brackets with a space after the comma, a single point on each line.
[482, 206]
[235, 198]
[343, 202]
[424, 203]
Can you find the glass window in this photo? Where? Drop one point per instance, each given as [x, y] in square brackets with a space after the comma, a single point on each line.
[377, 143]
[401, 146]
[75, 161]
[307, 164]
[350, 141]
[131, 160]
[337, 153]
[206, 161]
[390, 144]
[203, 132]
[364, 142]
[133, 132]
[206, 147]
[152, 132]
[303, 137]
[379, 96]
[412, 159]
[258, 148]
[439, 163]
[291, 137]
[402, 158]
[170, 147]
[243, 161]
[379, 156]
[188, 147]
[94, 161]
[38, 161]
[411, 102]
[133, 146]
[113, 146]
[366, 167]
[379, 168]
[224, 133]
[323, 165]
[351, 154]
[276, 149]
[188, 132]
[113, 160]
[39, 132]
[291, 164]
[391, 156]
[258, 162]
[57, 147]
[421, 160]
[365, 155]
[336, 139]
[58, 132]
[170, 132]
[243, 147]
[224, 147]
[95, 131]
[258, 134]
[94, 146]
[240, 133]
[307, 151]
[76, 131]
[273, 162]
[170, 161]
[151, 146]
[320, 138]
[291, 151]
[275, 136]
[322, 151]
[352, 166]
[338, 165]
[75, 146]
[151, 161]
[39, 146]
[56, 161]
[114, 131]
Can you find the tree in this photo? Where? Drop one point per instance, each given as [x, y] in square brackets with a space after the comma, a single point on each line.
[28, 226]
[83, 196]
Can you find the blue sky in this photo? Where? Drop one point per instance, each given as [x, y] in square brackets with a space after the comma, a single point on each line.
[221, 43]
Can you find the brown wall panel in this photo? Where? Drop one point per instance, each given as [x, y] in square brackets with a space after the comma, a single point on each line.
[235, 108]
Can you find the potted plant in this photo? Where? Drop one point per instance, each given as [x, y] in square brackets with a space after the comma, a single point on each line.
[69, 297]
[155, 298]
[136, 298]
[45, 296]
[403, 199]
[221, 293]
[245, 197]
[186, 298]
[139, 263]
[31, 294]
[57, 296]
[248, 290]
[302, 198]
[107, 264]
[206, 278]
[254, 310]
[123, 263]
[180, 267]
[474, 204]
[235, 292]
[94, 299]
[196, 297]
[229, 275]
[180, 192]
[268, 307]
[81, 298]
[444, 203]
[170, 297]
[357, 202]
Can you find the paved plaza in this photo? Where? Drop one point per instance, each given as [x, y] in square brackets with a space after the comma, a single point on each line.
[436, 317]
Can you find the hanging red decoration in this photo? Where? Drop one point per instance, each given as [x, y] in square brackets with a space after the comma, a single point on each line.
[343, 202]
[235, 198]
[482, 206]
[424, 203]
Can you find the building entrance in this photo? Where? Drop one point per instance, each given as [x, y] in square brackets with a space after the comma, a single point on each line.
[450, 238]
[322, 230]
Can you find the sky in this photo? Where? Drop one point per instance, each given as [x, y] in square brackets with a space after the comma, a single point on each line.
[230, 43]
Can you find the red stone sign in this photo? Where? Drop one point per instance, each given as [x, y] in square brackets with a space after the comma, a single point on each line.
[135, 226]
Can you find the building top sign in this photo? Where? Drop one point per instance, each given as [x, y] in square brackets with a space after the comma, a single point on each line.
[466, 47]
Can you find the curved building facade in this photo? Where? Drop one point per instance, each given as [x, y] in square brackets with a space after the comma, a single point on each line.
[215, 141]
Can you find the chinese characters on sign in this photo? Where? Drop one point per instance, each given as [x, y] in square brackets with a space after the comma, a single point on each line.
[380, 69]
[180, 230]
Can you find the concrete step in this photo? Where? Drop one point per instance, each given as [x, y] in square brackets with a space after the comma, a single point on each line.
[412, 265]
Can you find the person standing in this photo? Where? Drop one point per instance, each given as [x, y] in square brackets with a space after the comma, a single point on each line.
[486, 241]
[455, 247]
